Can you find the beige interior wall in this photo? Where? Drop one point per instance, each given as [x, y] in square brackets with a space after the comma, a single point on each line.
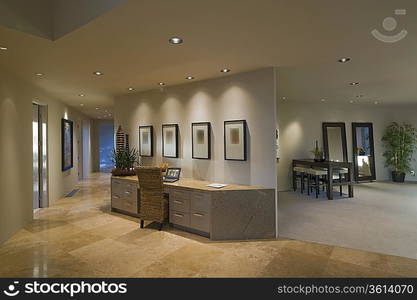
[16, 99]
[300, 124]
[248, 96]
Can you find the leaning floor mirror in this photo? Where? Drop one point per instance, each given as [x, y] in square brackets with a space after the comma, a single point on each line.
[334, 140]
[363, 151]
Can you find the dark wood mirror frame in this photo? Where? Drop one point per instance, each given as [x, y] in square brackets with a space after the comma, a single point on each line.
[372, 153]
[340, 125]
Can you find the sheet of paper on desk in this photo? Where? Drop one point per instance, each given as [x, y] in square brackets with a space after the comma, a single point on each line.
[216, 185]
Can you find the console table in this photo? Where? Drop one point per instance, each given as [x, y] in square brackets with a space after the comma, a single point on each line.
[234, 212]
[330, 166]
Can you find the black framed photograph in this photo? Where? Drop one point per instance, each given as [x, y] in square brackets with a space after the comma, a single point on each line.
[146, 141]
[67, 136]
[201, 140]
[235, 140]
[170, 140]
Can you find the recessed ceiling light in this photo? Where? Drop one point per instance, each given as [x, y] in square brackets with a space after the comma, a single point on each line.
[344, 59]
[351, 101]
[161, 83]
[284, 98]
[322, 100]
[98, 73]
[81, 95]
[175, 41]
[130, 89]
[3, 48]
[82, 104]
[225, 70]
[354, 83]
[97, 108]
[189, 77]
[39, 74]
[376, 102]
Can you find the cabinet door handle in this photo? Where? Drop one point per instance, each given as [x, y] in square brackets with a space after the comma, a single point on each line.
[198, 215]
[117, 197]
[127, 192]
[178, 215]
[177, 201]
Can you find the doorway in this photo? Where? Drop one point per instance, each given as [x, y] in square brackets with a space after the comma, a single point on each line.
[106, 145]
[40, 156]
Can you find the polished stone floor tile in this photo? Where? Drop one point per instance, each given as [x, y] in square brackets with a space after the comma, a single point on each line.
[81, 237]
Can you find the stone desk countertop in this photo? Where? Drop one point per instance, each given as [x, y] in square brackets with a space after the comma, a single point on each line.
[189, 183]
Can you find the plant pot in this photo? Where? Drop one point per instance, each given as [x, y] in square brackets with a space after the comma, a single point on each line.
[398, 176]
[123, 172]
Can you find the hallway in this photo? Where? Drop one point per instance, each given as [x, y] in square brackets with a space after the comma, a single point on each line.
[80, 237]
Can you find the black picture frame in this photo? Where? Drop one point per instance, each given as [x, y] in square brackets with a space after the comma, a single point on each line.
[150, 127]
[175, 126]
[340, 125]
[208, 127]
[356, 125]
[67, 143]
[244, 145]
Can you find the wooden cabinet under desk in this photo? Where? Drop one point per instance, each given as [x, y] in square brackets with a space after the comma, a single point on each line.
[124, 196]
[235, 212]
[190, 209]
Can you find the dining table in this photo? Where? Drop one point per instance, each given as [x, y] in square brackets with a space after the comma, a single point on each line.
[330, 166]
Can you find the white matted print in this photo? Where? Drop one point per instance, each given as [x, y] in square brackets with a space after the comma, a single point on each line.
[146, 141]
[235, 140]
[201, 140]
[170, 140]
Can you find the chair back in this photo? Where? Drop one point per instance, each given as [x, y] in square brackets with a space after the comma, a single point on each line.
[153, 206]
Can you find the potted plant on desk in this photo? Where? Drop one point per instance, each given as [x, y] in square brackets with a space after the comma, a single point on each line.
[400, 141]
[124, 161]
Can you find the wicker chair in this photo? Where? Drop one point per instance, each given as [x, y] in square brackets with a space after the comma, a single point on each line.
[153, 204]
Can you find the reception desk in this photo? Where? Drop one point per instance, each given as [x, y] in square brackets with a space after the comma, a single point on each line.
[234, 212]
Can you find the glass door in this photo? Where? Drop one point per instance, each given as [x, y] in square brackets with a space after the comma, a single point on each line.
[363, 151]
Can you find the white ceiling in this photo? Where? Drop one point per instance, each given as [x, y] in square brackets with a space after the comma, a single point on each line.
[303, 38]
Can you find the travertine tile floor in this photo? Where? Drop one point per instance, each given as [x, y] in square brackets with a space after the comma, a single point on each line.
[80, 237]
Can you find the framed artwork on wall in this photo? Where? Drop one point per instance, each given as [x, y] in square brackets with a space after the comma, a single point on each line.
[235, 140]
[201, 140]
[67, 138]
[146, 141]
[170, 140]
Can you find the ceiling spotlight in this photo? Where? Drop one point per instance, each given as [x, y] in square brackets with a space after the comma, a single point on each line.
[354, 83]
[225, 70]
[98, 73]
[175, 41]
[39, 74]
[161, 83]
[189, 77]
[376, 102]
[82, 104]
[284, 98]
[97, 108]
[130, 89]
[322, 100]
[344, 59]
[351, 101]
[81, 95]
[2, 48]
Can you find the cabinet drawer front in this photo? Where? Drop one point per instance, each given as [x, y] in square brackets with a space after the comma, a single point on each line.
[125, 201]
[200, 202]
[181, 205]
[117, 186]
[179, 218]
[180, 195]
[200, 221]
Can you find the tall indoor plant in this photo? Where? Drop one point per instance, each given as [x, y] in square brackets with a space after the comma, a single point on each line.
[400, 142]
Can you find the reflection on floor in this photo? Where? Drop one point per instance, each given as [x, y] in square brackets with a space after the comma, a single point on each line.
[79, 237]
[382, 217]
